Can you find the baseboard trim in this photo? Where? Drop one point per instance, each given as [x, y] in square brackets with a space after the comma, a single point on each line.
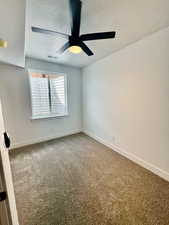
[43, 139]
[163, 174]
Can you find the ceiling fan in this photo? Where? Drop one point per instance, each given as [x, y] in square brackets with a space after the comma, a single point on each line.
[75, 42]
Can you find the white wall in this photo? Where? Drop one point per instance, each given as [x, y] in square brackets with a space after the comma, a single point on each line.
[12, 29]
[14, 91]
[126, 101]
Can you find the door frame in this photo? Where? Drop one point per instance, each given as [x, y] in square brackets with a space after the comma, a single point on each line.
[7, 176]
[5, 218]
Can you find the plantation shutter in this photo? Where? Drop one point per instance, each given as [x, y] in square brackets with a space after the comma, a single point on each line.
[57, 94]
[40, 95]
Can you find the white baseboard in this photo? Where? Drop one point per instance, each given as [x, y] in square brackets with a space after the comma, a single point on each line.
[163, 174]
[42, 139]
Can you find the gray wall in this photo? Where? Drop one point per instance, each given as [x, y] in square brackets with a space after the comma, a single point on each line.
[15, 96]
[126, 101]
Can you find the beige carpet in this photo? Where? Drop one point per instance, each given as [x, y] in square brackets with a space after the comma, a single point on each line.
[78, 181]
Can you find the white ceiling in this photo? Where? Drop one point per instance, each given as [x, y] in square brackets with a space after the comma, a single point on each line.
[132, 19]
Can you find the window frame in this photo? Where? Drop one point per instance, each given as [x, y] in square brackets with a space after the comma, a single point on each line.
[50, 115]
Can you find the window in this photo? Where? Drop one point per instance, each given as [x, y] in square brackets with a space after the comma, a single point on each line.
[48, 95]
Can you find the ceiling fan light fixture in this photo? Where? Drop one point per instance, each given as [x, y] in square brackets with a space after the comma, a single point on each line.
[75, 49]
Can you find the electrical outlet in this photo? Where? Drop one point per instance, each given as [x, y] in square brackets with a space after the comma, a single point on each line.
[113, 139]
[117, 142]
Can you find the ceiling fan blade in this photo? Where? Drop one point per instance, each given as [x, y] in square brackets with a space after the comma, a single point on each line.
[63, 48]
[50, 32]
[75, 8]
[86, 49]
[97, 36]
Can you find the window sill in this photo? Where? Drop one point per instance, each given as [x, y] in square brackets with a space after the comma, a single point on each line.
[48, 116]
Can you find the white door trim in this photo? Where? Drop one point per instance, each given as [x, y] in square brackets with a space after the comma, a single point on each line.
[7, 173]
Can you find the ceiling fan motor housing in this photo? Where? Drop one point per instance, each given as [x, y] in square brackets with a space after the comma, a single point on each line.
[74, 41]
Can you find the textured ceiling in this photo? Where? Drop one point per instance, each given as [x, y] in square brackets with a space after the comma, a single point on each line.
[132, 19]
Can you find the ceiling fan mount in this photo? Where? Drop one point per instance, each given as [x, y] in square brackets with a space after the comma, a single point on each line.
[75, 39]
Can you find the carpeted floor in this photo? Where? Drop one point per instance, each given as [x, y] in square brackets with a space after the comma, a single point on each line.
[78, 181]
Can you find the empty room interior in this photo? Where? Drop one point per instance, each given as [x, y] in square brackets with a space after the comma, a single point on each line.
[84, 116]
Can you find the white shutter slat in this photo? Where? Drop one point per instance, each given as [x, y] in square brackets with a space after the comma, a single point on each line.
[48, 95]
[40, 96]
[57, 87]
